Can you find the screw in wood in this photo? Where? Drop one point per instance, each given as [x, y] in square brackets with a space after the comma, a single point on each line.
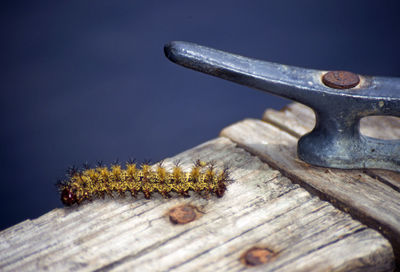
[257, 256]
[182, 214]
[340, 79]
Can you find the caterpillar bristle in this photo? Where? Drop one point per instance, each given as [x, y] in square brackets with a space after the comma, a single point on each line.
[160, 163]
[177, 163]
[146, 161]
[60, 184]
[91, 183]
[99, 164]
[198, 163]
[131, 161]
[116, 162]
[86, 166]
[72, 170]
[212, 163]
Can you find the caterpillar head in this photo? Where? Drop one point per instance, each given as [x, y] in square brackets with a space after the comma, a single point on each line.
[68, 196]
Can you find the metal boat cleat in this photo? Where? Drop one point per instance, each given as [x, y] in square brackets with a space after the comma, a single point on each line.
[339, 99]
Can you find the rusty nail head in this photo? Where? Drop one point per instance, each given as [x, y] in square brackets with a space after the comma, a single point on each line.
[340, 79]
[182, 214]
[256, 256]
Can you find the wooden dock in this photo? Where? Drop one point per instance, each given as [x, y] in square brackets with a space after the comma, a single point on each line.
[279, 214]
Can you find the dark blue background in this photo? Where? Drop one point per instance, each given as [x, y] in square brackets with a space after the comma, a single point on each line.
[88, 80]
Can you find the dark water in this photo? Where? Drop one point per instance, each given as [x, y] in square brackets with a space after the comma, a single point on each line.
[88, 80]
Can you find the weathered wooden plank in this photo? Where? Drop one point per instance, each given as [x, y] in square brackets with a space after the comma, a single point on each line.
[372, 202]
[260, 207]
[298, 119]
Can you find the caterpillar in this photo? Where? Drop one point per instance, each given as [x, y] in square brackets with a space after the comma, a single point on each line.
[91, 183]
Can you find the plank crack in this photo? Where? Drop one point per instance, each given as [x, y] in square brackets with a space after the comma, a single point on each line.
[343, 237]
[382, 180]
[142, 252]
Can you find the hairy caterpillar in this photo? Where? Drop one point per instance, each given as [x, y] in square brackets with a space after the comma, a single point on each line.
[97, 182]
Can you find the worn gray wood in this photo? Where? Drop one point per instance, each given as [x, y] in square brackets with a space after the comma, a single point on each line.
[365, 197]
[260, 207]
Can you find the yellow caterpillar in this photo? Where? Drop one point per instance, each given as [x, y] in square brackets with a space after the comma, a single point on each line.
[97, 182]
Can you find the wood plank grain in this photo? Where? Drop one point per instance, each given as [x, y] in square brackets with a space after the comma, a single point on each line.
[372, 202]
[260, 207]
[298, 119]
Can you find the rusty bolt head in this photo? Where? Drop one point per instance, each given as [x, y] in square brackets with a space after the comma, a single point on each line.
[256, 256]
[340, 79]
[182, 214]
